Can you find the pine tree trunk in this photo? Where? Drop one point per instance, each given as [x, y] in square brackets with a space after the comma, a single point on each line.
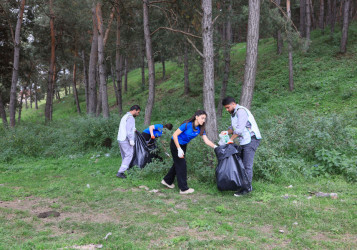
[85, 80]
[302, 25]
[31, 96]
[15, 69]
[3, 112]
[333, 16]
[51, 73]
[208, 70]
[252, 54]
[291, 71]
[321, 15]
[151, 66]
[279, 39]
[20, 106]
[227, 58]
[101, 63]
[308, 21]
[313, 19]
[75, 93]
[344, 37]
[118, 66]
[329, 12]
[99, 96]
[36, 100]
[114, 80]
[126, 74]
[163, 67]
[26, 99]
[186, 71]
[93, 59]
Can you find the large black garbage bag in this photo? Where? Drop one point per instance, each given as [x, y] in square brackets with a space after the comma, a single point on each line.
[143, 153]
[230, 171]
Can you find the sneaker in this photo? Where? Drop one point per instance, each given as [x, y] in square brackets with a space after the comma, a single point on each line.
[163, 182]
[188, 191]
[241, 193]
[121, 175]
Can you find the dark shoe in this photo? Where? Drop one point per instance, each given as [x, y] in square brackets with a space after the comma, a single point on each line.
[241, 193]
[121, 175]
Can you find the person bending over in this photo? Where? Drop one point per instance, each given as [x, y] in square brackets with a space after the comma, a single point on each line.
[188, 130]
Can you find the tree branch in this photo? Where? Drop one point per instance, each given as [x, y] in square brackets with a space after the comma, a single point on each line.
[194, 46]
[286, 16]
[173, 30]
[174, 1]
[215, 19]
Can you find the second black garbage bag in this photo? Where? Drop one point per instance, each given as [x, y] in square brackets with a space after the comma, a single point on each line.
[230, 171]
[143, 153]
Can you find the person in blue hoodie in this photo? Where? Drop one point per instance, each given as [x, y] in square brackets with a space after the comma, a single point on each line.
[188, 130]
[155, 131]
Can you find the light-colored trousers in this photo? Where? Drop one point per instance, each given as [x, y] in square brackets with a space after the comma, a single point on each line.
[127, 152]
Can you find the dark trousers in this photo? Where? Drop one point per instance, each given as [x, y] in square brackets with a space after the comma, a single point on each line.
[146, 136]
[247, 154]
[179, 168]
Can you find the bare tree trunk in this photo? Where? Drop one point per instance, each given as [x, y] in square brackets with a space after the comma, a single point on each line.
[333, 16]
[313, 19]
[114, 80]
[279, 39]
[291, 71]
[126, 74]
[118, 65]
[208, 70]
[308, 22]
[31, 95]
[163, 66]
[321, 15]
[15, 69]
[101, 62]
[51, 73]
[227, 58]
[20, 106]
[85, 80]
[252, 54]
[75, 93]
[3, 113]
[302, 18]
[345, 26]
[186, 70]
[36, 99]
[151, 66]
[99, 98]
[92, 91]
[26, 106]
[329, 12]
[143, 66]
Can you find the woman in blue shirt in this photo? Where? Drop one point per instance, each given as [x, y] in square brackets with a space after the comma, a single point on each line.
[188, 130]
[155, 131]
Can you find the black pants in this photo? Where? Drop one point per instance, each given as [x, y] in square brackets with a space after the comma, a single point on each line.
[179, 168]
[146, 136]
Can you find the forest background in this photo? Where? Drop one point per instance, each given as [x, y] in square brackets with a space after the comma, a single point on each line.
[71, 69]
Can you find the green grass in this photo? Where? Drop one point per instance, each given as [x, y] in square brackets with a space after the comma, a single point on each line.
[138, 218]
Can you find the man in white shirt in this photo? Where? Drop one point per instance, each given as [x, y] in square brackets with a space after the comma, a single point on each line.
[126, 136]
[245, 128]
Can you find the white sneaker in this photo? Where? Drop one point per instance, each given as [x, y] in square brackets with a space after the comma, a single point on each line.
[188, 191]
[163, 182]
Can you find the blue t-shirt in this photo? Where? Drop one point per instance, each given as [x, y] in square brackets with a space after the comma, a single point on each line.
[158, 128]
[188, 133]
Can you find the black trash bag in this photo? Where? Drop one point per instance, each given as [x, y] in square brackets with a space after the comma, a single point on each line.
[230, 171]
[143, 153]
